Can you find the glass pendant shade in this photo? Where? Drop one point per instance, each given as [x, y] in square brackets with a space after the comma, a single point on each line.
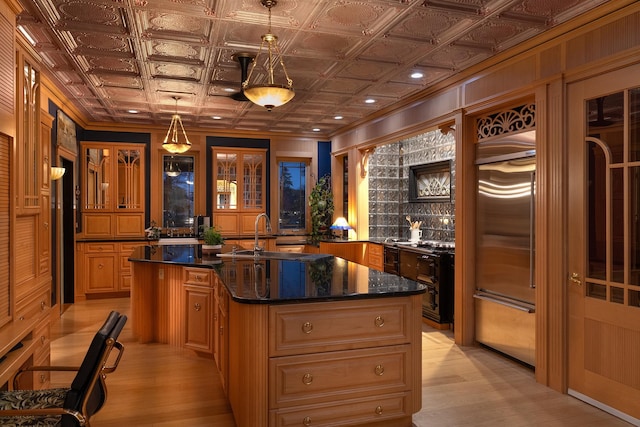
[173, 169]
[269, 96]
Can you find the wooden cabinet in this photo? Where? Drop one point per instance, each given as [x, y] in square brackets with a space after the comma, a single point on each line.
[343, 363]
[198, 312]
[351, 251]
[375, 256]
[221, 352]
[113, 192]
[103, 269]
[239, 189]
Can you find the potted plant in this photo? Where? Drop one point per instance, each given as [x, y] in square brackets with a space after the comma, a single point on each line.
[321, 203]
[212, 239]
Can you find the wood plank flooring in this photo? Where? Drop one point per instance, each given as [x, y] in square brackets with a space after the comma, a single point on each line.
[156, 385]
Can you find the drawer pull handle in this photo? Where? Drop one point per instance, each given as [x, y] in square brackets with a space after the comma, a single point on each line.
[379, 370]
[379, 321]
[307, 379]
[307, 327]
[306, 421]
[43, 378]
[378, 410]
[43, 305]
[197, 306]
[199, 278]
[43, 339]
[100, 266]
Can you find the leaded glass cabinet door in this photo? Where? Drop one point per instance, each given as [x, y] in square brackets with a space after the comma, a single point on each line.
[253, 174]
[604, 243]
[239, 183]
[130, 179]
[226, 184]
[98, 179]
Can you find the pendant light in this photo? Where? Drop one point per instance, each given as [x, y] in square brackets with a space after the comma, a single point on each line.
[172, 141]
[172, 169]
[269, 94]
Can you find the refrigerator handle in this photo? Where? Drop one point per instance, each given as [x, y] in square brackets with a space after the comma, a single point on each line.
[532, 229]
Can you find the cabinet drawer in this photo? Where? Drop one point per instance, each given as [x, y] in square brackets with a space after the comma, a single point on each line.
[307, 379]
[41, 336]
[99, 247]
[197, 276]
[41, 379]
[342, 325]
[33, 307]
[347, 412]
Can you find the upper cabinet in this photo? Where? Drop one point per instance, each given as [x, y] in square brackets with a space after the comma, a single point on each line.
[113, 192]
[239, 188]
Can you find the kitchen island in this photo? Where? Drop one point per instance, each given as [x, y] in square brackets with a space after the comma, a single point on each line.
[299, 341]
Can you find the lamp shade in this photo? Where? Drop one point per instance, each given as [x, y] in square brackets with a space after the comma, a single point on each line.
[340, 224]
[56, 173]
[269, 95]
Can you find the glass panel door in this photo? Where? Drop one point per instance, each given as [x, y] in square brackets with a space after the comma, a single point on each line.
[98, 180]
[226, 168]
[129, 179]
[253, 177]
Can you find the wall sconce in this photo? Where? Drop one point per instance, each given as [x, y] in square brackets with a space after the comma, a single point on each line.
[341, 224]
[56, 173]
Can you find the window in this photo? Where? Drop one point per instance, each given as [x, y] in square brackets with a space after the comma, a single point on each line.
[292, 181]
[177, 186]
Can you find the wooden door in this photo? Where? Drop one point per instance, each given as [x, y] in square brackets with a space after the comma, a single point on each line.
[604, 242]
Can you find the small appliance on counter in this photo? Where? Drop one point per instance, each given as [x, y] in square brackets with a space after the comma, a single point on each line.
[199, 225]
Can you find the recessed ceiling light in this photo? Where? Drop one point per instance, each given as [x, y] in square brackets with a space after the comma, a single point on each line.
[338, 117]
[133, 111]
[216, 117]
[229, 89]
[369, 101]
[417, 75]
[316, 129]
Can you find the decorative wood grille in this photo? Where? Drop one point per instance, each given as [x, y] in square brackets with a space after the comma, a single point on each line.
[515, 120]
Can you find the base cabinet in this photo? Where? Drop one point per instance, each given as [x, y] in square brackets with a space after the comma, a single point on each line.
[338, 363]
[198, 315]
[103, 269]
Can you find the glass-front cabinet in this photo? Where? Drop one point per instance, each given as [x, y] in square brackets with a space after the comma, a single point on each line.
[239, 188]
[112, 189]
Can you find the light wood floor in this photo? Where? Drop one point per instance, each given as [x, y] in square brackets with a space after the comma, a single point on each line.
[156, 385]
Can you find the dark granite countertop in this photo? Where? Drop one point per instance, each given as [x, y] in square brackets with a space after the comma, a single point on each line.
[271, 281]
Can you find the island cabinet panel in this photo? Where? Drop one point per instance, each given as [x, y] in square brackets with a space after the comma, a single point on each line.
[198, 310]
[198, 318]
[389, 411]
[311, 328]
[308, 379]
[338, 363]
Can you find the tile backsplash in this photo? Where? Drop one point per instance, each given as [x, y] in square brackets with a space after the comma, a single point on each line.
[389, 188]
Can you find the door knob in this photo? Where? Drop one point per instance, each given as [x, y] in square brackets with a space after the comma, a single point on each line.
[574, 278]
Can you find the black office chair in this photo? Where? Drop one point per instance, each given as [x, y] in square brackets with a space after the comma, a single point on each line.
[75, 405]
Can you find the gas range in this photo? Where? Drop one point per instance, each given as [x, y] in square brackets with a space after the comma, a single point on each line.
[432, 245]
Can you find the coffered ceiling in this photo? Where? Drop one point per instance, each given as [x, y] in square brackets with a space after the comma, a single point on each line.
[113, 56]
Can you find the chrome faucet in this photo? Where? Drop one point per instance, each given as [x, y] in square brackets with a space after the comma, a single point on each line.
[256, 246]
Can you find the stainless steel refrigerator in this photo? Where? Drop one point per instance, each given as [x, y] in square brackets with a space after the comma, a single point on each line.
[505, 288]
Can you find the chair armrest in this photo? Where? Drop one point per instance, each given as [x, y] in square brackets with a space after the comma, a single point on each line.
[110, 369]
[16, 377]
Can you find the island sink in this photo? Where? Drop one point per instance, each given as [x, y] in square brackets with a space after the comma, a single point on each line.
[294, 256]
